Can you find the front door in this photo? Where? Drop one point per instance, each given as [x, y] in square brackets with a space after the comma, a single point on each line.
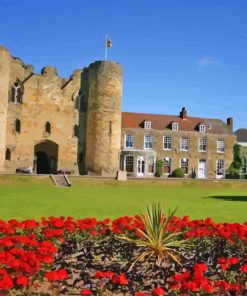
[202, 169]
[140, 166]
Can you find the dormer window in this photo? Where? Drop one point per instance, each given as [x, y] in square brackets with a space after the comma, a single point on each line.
[147, 124]
[175, 126]
[202, 128]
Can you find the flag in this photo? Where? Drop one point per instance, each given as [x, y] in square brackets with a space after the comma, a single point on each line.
[108, 42]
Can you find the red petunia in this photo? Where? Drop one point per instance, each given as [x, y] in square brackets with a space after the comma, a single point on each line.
[86, 292]
[120, 279]
[22, 281]
[158, 291]
[244, 268]
[56, 275]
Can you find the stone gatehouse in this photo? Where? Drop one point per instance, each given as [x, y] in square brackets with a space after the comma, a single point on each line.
[51, 123]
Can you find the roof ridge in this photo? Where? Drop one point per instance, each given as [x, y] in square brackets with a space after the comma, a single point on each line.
[171, 115]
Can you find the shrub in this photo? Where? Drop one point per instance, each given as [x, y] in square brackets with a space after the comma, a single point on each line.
[232, 173]
[178, 173]
[159, 167]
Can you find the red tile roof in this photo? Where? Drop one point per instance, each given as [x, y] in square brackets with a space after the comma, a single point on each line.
[163, 122]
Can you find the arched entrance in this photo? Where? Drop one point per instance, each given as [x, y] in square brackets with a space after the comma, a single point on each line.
[45, 157]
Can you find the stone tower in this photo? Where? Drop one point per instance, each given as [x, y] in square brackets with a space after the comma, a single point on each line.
[4, 94]
[101, 109]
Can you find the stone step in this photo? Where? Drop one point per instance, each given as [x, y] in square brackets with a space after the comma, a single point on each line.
[61, 180]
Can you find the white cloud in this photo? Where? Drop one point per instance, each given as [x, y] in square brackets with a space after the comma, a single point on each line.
[207, 61]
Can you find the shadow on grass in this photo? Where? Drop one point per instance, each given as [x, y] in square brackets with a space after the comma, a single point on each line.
[229, 197]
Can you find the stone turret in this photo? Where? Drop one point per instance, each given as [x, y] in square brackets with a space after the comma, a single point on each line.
[102, 92]
[4, 92]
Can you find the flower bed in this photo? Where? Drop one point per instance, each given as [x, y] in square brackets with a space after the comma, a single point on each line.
[64, 256]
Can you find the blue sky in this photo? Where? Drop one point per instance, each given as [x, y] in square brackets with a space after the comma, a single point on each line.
[175, 53]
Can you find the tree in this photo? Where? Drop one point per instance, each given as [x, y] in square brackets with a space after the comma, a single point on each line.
[237, 164]
[159, 167]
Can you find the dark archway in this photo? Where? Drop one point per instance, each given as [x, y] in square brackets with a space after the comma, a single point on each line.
[42, 163]
[45, 157]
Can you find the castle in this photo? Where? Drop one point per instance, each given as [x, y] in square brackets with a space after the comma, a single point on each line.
[54, 124]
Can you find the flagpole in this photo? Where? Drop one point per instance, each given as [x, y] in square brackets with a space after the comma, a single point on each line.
[106, 47]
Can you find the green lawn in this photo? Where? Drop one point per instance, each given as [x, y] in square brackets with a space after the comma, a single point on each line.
[31, 197]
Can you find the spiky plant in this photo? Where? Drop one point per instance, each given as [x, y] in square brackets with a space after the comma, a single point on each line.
[155, 240]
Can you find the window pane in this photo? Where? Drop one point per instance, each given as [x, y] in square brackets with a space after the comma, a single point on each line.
[167, 165]
[167, 143]
[129, 164]
[185, 165]
[148, 142]
[175, 126]
[220, 146]
[220, 167]
[151, 165]
[202, 144]
[129, 141]
[147, 124]
[184, 144]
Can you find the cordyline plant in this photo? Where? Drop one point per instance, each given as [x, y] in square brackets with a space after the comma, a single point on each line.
[158, 242]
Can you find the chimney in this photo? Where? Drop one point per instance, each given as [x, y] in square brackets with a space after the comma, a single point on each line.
[229, 122]
[183, 113]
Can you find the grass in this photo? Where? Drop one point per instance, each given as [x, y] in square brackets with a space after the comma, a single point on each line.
[31, 197]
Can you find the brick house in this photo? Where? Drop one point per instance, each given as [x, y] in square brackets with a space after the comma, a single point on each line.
[201, 144]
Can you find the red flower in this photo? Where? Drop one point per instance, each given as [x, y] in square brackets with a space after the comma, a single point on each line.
[233, 260]
[103, 274]
[120, 279]
[223, 285]
[5, 280]
[56, 275]
[158, 291]
[22, 281]
[244, 268]
[201, 267]
[140, 294]
[86, 292]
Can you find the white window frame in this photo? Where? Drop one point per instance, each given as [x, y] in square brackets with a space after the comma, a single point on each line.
[201, 145]
[182, 146]
[185, 160]
[202, 128]
[167, 161]
[223, 172]
[174, 126]
[147, 124]
[167, 142]
[148, 144]
[220, 148]
[128, 141]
